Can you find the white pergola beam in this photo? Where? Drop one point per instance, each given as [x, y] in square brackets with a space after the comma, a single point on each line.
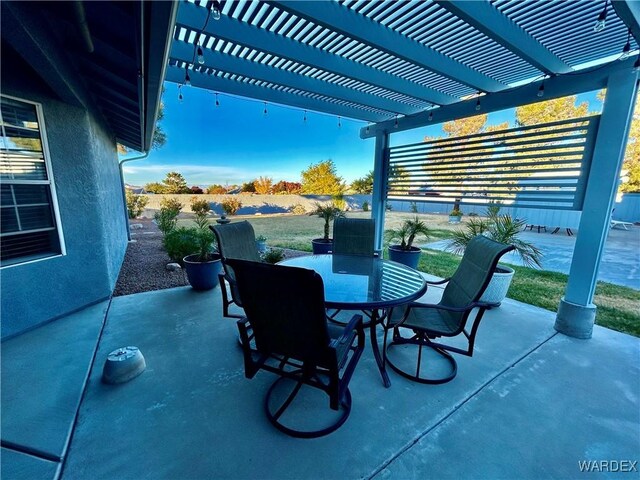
[256, 92]
[555, 87]
[241, 33]
[354, 25]
[183, 51]
[486, 18]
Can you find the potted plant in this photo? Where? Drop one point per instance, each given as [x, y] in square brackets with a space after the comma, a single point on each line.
[503, 229]
[405, 252]
[327, 212]
[261, 243]
[202, 265]
[455, 215]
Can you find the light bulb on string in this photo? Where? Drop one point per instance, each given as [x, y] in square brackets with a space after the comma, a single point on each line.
[540, 93]
[430, 117]
[602, 19]
[339, 122]
[264, 112]
[626, 50]
[478, 106]
[200, 55]
[304, 119]
[187, 78]
[217, 101]
[180, 93]
[216, 10]
[367, 129]
[395, 124]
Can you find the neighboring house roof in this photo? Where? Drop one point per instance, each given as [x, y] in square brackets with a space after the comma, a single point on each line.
[107, 57]
[135, 189]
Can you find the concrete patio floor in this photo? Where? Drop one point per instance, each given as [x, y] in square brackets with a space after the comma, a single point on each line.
[531, 403]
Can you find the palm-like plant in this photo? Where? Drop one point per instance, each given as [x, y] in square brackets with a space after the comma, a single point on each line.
[327, 212]
[501, 228]
[408, 231]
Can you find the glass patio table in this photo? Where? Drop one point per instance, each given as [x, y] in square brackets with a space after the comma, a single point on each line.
[364, 283]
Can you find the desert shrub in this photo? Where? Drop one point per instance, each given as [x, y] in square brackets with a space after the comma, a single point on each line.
[135, 204]
[493, 208]
[274, 255]
[216, 190]
[365, 206]
[167, 217]
[200, 209]
[298, 209]
[413, 207]
[181, 242]
[231, 205]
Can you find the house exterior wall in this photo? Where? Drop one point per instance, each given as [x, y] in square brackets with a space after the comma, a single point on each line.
[85, 171]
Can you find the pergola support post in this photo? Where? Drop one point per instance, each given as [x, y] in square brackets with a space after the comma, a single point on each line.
[576, 313]
[380, 179]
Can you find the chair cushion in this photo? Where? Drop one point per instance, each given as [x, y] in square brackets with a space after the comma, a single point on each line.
[431, 320]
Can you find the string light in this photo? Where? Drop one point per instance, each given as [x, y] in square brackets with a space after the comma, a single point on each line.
[602, 19]
[187, 78]
[217, 102]
[264, 112]
[395, 125]
[430, 116]
[216, 10]
[339, 122]
[200, 55]
[304, 119]
[180, 93]
[540, 93]
[626, 50]
[478, 106]
[367, 130]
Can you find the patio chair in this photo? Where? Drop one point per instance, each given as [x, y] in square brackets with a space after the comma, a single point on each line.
[352, 236]
[284, 308]
[448, 318]
[235, 240]
[618, 223]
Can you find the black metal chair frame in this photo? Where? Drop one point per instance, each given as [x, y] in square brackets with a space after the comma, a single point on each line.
[424, 337]
[332, 378]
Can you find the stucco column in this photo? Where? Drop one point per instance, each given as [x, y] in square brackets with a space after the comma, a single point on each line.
[576, 313]
[380, 179]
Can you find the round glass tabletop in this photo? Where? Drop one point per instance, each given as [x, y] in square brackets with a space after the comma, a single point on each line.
[357, 283]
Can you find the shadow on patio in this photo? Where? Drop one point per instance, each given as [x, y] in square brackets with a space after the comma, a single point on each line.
[531, 403]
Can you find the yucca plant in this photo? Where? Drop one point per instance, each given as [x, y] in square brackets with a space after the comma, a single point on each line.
[501, 228]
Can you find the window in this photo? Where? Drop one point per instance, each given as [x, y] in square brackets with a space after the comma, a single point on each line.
[29, 228]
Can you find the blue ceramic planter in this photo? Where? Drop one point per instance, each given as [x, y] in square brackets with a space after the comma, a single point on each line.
[410, 258]
[202, 275]
[321, 246]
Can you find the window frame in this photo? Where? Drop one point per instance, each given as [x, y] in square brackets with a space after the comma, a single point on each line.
[50, 182]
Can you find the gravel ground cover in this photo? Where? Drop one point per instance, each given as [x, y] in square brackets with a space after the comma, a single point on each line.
[144, 266]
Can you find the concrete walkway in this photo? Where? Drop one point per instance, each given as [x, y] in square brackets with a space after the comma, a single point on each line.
[531, 403]
[620, 261]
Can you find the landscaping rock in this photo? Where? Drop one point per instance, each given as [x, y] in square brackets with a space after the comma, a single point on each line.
[136, 226]
[173, 267]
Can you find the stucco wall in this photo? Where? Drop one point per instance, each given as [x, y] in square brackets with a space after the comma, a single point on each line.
[85, 171]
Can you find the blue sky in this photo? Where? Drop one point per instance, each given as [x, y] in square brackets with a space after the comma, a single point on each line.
[236, 142]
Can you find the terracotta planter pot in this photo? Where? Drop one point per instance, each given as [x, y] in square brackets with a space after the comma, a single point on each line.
[410, 258]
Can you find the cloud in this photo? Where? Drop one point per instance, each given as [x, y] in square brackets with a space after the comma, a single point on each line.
[203, 174]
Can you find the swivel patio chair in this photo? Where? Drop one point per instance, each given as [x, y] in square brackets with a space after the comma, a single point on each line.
[352, 236]
[235, 240]
[284, 308]
[448, 318]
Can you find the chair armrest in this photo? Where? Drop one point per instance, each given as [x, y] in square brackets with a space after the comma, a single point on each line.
[439, 282]
[354, 324]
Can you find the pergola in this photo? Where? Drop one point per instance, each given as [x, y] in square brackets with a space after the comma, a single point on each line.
[401, 65]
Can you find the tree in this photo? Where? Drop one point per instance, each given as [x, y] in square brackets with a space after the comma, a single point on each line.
[322, 179]
[284, 187]
[154, 187]
[631, 164]
[196, 190]
[554, 110]
[216, 189]
[263, 185]
[175, 183]
[248, 187]
[364, 184]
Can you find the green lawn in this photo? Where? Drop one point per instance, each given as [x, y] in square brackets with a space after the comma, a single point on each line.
[618, 307]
